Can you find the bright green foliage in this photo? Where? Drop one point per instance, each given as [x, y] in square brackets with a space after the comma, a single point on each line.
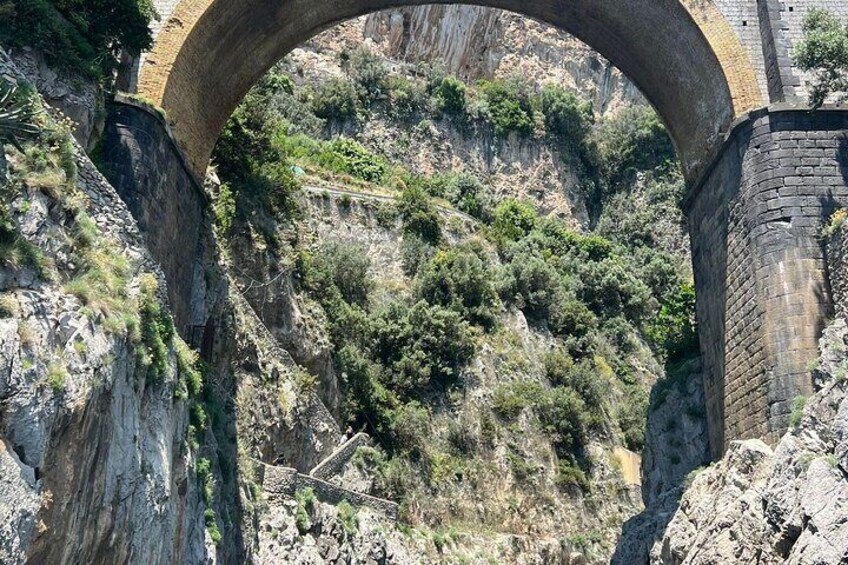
[450, 94]
[508, 106]
[340, 267]
[346, 156]
[336, 100]
[212, 526]
[567, 118]
[420, 217]
[798, 404]
[157, 331]
[57, 376]
[369, 73]
[513, 219]
[824, 52]
[84, 36]
[673, 329]
[224, 207]
[348, 517]
[463, 190]
[407, 98]
[305, 506]
[460, 278]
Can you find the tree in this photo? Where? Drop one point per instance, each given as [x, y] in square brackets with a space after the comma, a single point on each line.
[824, 52]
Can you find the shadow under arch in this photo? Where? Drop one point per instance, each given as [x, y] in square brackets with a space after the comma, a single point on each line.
[682, 54]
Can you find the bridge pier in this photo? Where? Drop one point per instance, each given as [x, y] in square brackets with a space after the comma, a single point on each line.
[762, 291]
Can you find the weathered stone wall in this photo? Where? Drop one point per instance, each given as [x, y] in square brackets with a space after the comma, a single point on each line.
[142, 162]
[334, 464]
[285, 482]
[759, 265]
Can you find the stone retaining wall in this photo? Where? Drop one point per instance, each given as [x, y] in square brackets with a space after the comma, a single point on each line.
[285, 482]
[334, 464]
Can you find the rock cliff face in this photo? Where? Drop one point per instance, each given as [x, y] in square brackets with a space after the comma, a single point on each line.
[476, 43]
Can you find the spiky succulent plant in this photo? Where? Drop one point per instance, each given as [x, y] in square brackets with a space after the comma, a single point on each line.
[16, 116]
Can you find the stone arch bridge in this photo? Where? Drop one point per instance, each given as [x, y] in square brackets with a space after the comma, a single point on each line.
[763, 172]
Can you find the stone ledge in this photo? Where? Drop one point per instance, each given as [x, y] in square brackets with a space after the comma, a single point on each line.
[334, 464]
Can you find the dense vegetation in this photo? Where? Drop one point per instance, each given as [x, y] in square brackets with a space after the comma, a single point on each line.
[80, 36]
[605, 298]
[824, 52]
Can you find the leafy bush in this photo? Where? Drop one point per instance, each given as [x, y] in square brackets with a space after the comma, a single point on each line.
[824, 51]
[406, 97]
[459, 279]
[567, 118]
[513, 220]
[450, 94]
[673, 330]
[508, 106]
[81, 36]
[420, 217]
[336, 100]
[424, 346]
[530, 283]
[348, 517]
[634, 140]
[508, 401]
[344, 155]
[369, 74]
[469, 195]
[347, 267]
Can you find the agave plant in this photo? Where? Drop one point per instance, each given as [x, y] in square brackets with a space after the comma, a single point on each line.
[15, 116]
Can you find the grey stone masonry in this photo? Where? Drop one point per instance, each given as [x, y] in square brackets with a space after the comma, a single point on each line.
[760, 275]
[149, 172]
[285, 482]
[333, 465]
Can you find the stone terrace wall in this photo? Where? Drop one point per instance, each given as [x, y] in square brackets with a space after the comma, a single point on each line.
[333, 465]
[759, 265]
[285, 482]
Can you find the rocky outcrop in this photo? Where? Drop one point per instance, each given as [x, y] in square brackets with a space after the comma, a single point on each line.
[676, 446]
[782, 505]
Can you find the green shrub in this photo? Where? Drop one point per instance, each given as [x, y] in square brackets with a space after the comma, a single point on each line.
[346, 156]
[203, 470]
[508, 106]
[406, 97]
[57, 376]
[563, 415]
[348, 270]
[81, 36]
[157, 331]
[420, 217]
[369, 73]
[305, 506]
[797, 413]
[450, 95]
[212, 526]
[461, 280]
[424, 346]
[531, 284]
[348, 517]
[634, 140]
[824, 51]
[224, 208]
[335, 100]
[468, 194]
[415, 252]
[513, 219]
[509, 400]
[567, 118]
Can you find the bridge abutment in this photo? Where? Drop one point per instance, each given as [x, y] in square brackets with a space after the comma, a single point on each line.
[760, 273]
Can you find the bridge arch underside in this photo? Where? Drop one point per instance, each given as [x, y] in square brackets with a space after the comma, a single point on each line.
[681, 53]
